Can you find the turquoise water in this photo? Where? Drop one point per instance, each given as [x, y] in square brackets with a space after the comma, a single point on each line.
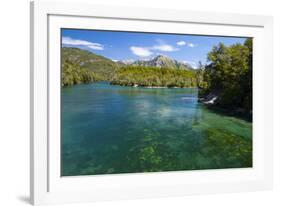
[110, 129]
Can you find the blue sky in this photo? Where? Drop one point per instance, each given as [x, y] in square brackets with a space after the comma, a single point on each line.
[130, 46]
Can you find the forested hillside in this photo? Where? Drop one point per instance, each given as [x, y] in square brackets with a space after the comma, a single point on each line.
[94, 65]
[227, 79]
[73, 73]
[81, 66]
[154, 76]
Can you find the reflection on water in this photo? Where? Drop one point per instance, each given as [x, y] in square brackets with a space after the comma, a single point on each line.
[111, 129]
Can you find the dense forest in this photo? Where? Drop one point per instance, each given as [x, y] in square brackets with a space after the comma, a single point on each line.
[154, 76]
[227, 78]
[81, 66]
[72, 73]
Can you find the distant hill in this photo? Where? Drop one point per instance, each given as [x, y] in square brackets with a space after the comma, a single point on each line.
[162, 61]
[72, 74]
[103, 67]
[82, 66]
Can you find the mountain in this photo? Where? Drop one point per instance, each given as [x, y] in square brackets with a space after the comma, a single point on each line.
[82, 66]
[162, 61]
[126, 62]
[103, 67]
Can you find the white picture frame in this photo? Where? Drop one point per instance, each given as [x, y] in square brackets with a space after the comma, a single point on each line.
[47, 18]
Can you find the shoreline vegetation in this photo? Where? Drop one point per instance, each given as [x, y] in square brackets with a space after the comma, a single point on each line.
[224, 83]
[154, 87]
[154, 77]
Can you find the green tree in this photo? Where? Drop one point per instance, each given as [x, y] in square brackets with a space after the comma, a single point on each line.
[229, 76]
[72, 74]
[154, 76]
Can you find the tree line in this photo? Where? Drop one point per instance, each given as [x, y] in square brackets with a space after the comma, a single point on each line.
[154, 76]
[228, 76]
[73, 73]
[81, 66]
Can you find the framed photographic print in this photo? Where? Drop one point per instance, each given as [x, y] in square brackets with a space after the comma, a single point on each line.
[126, 105]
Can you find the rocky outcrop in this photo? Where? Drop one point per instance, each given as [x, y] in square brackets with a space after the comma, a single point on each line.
[209, 99]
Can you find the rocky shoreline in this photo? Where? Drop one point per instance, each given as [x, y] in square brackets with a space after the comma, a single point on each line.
[210, 99]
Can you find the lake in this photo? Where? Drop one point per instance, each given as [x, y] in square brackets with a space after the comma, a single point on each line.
[110, 129]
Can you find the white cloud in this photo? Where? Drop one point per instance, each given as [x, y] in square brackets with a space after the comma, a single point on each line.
[164, 47]
[191, 45]
[96, 47]
[77, 42]
[141, 51]
[181, 43]
[148, 51]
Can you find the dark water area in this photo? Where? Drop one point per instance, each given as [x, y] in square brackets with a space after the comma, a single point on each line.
[109, 129]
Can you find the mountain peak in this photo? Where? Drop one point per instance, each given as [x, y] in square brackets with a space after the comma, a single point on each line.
[161, 56]
[162, 61]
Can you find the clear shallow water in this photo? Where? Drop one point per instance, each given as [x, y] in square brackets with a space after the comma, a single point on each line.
[110, 129]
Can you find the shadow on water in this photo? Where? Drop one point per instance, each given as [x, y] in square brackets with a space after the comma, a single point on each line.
[233, 113]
